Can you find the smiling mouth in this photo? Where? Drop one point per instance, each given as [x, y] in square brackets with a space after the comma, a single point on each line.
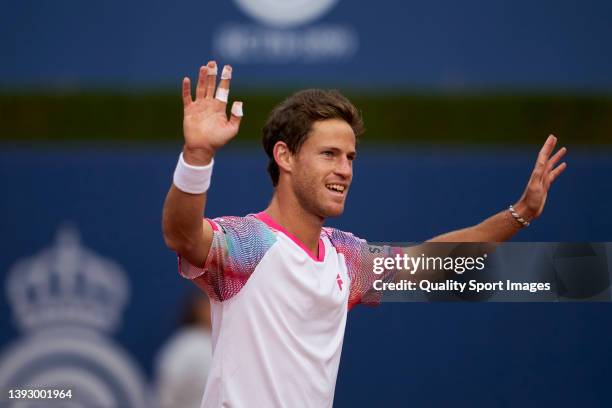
[336, 188]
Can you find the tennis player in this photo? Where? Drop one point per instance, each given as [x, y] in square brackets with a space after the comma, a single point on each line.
[280, 282]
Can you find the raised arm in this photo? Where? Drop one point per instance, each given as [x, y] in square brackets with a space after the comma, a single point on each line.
[206, 128]
[502, 226]
[499, 227]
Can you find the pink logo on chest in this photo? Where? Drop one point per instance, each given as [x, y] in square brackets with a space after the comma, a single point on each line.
[339, 280]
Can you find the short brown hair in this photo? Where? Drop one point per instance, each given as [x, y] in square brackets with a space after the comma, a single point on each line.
[292, 120]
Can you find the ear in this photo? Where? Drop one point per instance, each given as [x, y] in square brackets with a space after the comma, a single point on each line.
[283, 157]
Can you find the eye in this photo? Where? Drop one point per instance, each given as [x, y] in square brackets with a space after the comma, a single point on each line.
[328, 153]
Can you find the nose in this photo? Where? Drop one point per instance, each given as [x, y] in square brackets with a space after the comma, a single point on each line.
[345, 168]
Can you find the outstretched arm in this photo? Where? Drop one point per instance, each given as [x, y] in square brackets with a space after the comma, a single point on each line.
[502, 226]
[497, 228]
[206, 128]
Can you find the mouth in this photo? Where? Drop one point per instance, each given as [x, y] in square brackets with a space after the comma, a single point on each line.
[336, 188]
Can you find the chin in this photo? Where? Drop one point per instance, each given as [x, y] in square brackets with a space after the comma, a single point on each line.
[333, 211]
[321, 206]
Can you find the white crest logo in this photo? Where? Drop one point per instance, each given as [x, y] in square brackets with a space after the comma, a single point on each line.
[65, 299]
[285, 13]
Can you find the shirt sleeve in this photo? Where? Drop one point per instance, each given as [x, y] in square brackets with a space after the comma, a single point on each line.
[359, 257]
[238, 245]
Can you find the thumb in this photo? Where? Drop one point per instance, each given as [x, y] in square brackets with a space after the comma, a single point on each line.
[237, 114]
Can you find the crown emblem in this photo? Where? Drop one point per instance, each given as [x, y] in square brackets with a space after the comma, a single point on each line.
[67, 285]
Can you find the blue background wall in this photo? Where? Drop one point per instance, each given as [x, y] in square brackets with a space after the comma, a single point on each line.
[413, 354]
[436, 44]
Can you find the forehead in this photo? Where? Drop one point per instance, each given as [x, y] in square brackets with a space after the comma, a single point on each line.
[331, 133]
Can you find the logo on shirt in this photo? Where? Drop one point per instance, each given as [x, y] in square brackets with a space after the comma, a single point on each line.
[339, 281]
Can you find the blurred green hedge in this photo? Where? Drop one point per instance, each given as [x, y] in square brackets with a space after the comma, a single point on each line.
[489, 119]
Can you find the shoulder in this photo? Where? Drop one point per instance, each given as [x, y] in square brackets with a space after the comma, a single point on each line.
[237, 223]
[237, 247]
[243, 228]
[343, 241]
[241, 240]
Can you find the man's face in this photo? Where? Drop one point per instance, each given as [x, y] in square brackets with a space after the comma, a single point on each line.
[323, 168]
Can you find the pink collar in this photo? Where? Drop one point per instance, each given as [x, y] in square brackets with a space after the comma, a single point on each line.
[265, 218]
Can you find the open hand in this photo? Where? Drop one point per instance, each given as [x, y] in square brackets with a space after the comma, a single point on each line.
[206, 127]
[531, 204]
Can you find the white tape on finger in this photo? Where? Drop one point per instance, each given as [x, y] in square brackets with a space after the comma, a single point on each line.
[222, 94]
[213, 70]
[227, 72]
[237, 109]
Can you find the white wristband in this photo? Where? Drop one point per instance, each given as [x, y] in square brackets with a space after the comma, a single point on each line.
[192, 179]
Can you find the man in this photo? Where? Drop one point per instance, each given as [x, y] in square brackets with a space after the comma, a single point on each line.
[281, 283]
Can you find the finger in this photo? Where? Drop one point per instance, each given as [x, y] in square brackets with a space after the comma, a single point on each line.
[555, 159]
[544, 154]
[223, 89]
[237, 114]
[186, 92]
[211, 79]
[556, 172]
[201, 88]
[547, 149]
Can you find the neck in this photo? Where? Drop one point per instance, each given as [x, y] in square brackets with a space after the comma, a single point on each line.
[305, 226]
